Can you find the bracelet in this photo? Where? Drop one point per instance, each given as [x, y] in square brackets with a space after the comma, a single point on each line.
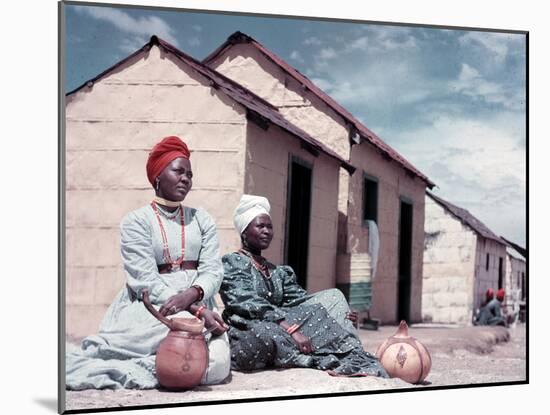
[200, 291]
[199, 311]
[292, 329]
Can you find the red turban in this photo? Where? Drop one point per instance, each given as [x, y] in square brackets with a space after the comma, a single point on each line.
[489, 295]
[163, 153]
[500, 294]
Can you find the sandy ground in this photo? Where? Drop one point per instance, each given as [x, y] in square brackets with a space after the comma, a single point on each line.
[460, 355]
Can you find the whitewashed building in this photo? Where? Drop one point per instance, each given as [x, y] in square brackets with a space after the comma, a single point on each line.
[515, 284]
[462, 259]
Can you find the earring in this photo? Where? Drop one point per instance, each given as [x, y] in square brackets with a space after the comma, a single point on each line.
[157, 186]
[244, 241]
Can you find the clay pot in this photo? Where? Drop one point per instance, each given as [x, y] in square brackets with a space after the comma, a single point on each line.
[182, 357]
[405, 357]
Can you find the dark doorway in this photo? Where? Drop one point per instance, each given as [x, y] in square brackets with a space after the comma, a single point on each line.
[298, 216]
[500, 273]
[370, 199]
[405, 261]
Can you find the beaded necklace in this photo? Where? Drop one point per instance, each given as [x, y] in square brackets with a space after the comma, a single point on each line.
[166, 250]
[261, 268]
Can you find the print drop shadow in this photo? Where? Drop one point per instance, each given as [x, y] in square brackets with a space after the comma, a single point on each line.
[48, 403]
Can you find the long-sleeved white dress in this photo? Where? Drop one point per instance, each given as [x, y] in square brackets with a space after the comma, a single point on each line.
[122, 353]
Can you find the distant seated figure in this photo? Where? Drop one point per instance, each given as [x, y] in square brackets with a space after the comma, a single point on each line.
[514, 309]
[504, 312]
[490, 314]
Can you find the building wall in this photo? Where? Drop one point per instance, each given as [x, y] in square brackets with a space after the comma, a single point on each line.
[393, 184]
[515, 268]
[449, 267]
[487, 278]
[267, 166]
[246, 65]
[110, 128]
[252, 69]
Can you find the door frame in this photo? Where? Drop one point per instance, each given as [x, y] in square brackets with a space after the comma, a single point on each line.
[292, 158]
[409, 201]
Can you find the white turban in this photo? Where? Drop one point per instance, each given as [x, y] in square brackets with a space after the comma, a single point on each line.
[249, 207]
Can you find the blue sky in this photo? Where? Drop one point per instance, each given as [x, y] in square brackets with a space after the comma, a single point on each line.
[451, 101]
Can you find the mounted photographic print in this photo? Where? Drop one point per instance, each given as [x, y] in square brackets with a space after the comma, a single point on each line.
[261, 207]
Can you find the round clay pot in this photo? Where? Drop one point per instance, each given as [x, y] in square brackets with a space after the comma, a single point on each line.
[405, 357]
[181, 360]
[182, 356]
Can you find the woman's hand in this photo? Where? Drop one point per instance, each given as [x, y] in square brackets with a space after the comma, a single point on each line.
[179, 302]
[214, 321]
[353, 317]
[303, 342]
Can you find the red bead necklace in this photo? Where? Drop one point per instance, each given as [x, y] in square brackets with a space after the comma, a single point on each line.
[262, 267]
[166, 250]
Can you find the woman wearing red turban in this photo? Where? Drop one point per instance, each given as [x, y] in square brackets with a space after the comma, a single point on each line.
[171, 252]
[490, 314]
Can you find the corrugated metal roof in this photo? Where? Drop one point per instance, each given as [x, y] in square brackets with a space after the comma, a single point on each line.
[260, 108]
[467, 218]
[366, 134]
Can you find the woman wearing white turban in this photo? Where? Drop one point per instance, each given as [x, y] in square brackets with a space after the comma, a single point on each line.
[273, 321]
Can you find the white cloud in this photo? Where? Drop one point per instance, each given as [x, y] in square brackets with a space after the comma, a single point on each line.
[194, 41]
[360, 43]
[312, 41]
[496, 43]
[327, 53]
[131, 45]
[391, 44]
[366, 81]
[325, 85]
[295, 55]
[348, 93]
[491, 144]
[470, 83]
[390, 38]
[467, 73]
[477, 165]
[142, 27]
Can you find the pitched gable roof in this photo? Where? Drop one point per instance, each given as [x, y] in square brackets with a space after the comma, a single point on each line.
[466, 218]
[365, 133]
[258, 108]
[521, 250]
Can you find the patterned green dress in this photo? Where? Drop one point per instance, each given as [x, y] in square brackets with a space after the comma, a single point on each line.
[255, 304]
